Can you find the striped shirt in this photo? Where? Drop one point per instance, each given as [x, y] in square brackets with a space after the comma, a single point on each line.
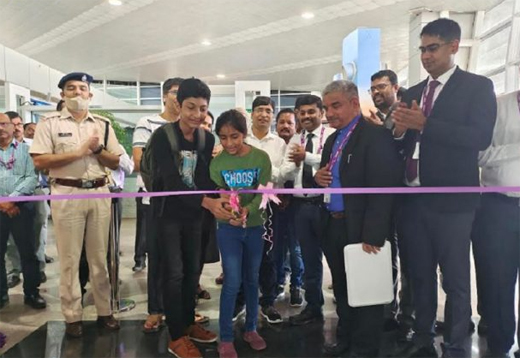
[21, 180]
[142, 133]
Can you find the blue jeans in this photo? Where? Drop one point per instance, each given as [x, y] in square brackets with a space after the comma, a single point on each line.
[285, 240]
[241, 250]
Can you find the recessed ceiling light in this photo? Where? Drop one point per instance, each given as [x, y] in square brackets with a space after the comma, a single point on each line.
[115, 2]
[221, 75]
[206, 42]
[308, 15]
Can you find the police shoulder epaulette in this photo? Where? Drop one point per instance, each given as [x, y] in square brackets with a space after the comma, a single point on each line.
[97, 116]
[49, 116]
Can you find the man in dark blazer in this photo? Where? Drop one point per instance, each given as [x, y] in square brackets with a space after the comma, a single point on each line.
[358, 154]
[442, 124]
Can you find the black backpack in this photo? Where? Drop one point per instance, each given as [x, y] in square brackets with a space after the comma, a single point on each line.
[147, 164]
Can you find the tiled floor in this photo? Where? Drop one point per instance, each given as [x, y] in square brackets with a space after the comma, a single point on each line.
[34, 333]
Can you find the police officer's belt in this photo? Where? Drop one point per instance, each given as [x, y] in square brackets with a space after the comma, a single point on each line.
[82, 183]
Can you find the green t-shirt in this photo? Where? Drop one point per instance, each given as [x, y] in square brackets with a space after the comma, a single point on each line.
[247, 172]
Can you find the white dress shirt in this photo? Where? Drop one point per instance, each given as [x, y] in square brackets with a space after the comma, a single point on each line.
[443, 79]
[126, 167]
[290, 171]
[275, 147]
[500, 163]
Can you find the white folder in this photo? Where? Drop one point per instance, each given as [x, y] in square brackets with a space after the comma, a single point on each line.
[369, 276]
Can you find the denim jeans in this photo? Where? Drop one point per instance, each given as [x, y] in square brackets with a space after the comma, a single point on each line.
[285, 241]
[241, 250]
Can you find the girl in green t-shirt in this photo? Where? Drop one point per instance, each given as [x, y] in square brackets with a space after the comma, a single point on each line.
[240, 166]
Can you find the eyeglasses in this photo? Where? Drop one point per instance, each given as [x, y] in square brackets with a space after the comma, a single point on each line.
[261, 110]
[432, 48]
[379, 87]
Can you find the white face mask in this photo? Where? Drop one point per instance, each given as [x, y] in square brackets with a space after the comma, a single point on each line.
[77, 104]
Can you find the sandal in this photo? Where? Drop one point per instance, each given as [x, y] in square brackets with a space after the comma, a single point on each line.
[200, 319]
[153, 323]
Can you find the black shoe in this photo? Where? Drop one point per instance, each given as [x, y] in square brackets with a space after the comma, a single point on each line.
[412, 350]
[271, 314]
[139, 267]
[4, 300]
[305, 317]
[74, 329]
[497, 355]
[335, 350]
[48, 259]
[296, 297]
[35, 301]
[280, 291]
[13, 281]
[239, 311]
[43, 277]
[482, 328]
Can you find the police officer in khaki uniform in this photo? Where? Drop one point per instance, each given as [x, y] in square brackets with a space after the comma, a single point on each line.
[71, 145]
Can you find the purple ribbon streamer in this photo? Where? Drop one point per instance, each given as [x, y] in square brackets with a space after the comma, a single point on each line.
[395, 190]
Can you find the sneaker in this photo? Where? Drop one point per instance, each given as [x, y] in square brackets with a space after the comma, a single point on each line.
[239, 311]
[280, 291]
[305, 317]
[296, 297]
[271, 314]
[199, 334]
[227, 350]
[255, 340]
[184, 348]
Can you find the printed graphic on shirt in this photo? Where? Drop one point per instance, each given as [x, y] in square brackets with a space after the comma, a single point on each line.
[241, 178]
[187, 169]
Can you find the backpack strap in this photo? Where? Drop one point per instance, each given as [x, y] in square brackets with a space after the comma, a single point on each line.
[106, 132]
[174, 143]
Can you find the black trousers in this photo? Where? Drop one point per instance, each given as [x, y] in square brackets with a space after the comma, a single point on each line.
[22, 228]
[361, 328]
[438, 239]
[140, 231]
[496, 247]
[180, 244]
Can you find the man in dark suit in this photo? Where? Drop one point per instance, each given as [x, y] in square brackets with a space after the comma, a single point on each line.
[442, 125]
[358, 154]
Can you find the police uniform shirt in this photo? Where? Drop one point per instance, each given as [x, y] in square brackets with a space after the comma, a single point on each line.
[60, 133]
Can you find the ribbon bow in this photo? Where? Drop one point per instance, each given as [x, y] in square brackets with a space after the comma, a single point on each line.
[266, 197]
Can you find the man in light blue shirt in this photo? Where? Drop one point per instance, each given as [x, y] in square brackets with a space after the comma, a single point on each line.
[18, 178]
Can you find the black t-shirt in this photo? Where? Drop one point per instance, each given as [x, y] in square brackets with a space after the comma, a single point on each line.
[193, 174]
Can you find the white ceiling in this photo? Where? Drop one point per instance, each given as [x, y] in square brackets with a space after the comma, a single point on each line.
[150, 40]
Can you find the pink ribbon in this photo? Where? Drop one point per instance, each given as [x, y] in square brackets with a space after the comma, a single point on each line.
[350, 191]
[267, 196]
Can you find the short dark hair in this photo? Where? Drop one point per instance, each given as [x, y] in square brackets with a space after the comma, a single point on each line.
[59, 105]
[401, 92]
[211, 115]
[27, 125]
[385, 73]
[283, 111]
[233, 118]
[263, 101]
[308, 99]
[446, 29]
[12, 115]
[169, 83]
[193, 87]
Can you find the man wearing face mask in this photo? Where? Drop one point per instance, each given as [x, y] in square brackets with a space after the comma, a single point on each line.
[76, 147]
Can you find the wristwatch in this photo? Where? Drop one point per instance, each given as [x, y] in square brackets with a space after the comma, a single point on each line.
[99, 149]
